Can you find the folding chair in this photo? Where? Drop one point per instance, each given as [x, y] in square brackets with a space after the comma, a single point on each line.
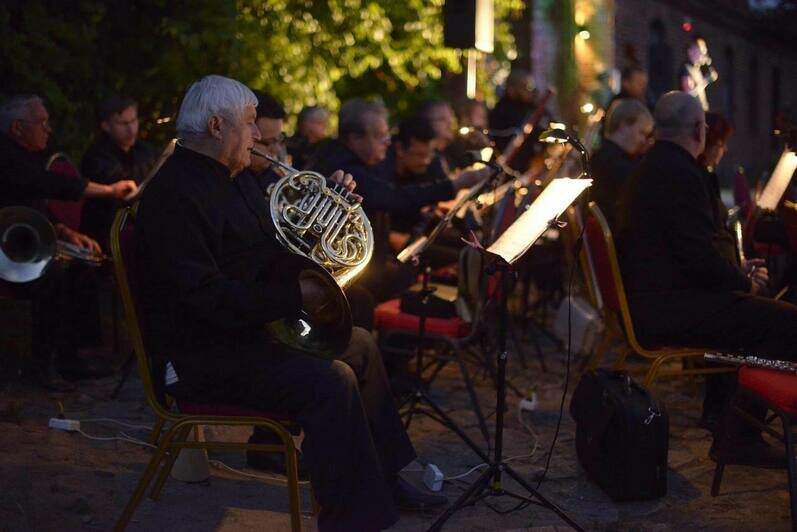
[778, 391]
[190, 415]
[617, 314]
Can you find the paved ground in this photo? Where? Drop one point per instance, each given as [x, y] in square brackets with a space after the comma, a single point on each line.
[51, 480]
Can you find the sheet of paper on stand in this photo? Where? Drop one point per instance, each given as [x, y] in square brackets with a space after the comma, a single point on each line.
[780, 179]
[552, 202]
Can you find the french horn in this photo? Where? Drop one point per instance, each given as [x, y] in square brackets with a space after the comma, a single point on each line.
[330, 240]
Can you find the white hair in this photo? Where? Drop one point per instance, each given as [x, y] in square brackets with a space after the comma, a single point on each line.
[212, 95]
[17, 108]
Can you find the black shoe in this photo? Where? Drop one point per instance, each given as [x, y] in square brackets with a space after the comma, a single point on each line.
[273, 462]
[408, 497]
[755, 453]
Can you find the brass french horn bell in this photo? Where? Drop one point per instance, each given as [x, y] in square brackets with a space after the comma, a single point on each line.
[330, 241]
[27, 244]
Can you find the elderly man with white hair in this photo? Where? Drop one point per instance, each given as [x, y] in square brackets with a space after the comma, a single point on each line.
[682, 289]
[211, 281]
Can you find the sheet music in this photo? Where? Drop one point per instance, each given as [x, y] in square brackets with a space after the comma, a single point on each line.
[781, 176]
[552, 202]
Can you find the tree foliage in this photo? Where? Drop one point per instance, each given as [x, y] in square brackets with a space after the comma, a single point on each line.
[304, 51]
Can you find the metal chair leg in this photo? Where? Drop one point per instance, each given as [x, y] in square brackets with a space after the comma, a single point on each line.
[166, 468]
[157, 428]
[788, 439]
[146, 478]
[292, 470]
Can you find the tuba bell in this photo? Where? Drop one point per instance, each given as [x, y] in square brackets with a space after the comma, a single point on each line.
[28, 245]
[331, 241]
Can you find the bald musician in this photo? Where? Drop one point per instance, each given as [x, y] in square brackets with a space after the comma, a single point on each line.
[682, 289]
[212, 280]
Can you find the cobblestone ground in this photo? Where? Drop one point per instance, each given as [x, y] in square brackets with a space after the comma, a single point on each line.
[52, 480]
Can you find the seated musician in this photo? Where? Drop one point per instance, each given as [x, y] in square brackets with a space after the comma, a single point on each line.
[212, 280]
[312, 124]
[633, 84]
[24, 181]
[270, 121]
[117, 154]
[25, 130]
[441, 116]
[682, 288]
[629, 128]
[363, 139]
[517, 103]
[411, 159]
[472, 120]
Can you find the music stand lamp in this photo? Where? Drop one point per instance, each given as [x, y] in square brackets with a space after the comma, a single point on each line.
[542, 214]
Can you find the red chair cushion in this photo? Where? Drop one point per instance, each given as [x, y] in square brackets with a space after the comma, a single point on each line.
[199, 409]
[777, 387]
[387, 315]
[599, 251]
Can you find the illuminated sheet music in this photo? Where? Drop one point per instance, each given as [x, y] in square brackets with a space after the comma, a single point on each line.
[779, 180]
[552, 202]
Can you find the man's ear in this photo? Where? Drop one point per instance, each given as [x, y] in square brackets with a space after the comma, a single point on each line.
[214, 126]
[16, 128]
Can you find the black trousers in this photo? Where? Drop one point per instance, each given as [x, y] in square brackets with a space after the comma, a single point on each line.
[354, 444]
[731, 321]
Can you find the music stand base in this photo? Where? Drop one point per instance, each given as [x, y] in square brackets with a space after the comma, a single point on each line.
[489, 484]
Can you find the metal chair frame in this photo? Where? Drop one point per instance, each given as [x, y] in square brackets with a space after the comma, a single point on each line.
[786, 437]
[622, 326]
[176, 434]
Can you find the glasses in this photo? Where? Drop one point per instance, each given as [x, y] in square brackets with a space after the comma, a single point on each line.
[44, 124]
[275, 141]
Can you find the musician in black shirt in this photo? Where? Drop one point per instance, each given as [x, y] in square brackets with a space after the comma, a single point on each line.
[212, 279]
[629, 130]
[362, 143]
[117, 154]
[681, 288]
[311, 133]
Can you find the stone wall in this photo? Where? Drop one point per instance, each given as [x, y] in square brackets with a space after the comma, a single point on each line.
[757, 78]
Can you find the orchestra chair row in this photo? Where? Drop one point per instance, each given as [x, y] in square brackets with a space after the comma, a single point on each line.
[179, 423]
[777, 390]
[604, 269]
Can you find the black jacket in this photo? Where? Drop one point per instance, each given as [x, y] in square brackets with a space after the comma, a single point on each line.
[671, 227]
[24, 181]
[106, 163]
[511, 114]
[611, 168]
[209, 266]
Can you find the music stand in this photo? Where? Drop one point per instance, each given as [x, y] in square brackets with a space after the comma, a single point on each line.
[419, 397]
[504, 252]
[779, 181]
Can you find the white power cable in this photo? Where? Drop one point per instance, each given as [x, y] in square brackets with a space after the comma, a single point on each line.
[116, 421]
